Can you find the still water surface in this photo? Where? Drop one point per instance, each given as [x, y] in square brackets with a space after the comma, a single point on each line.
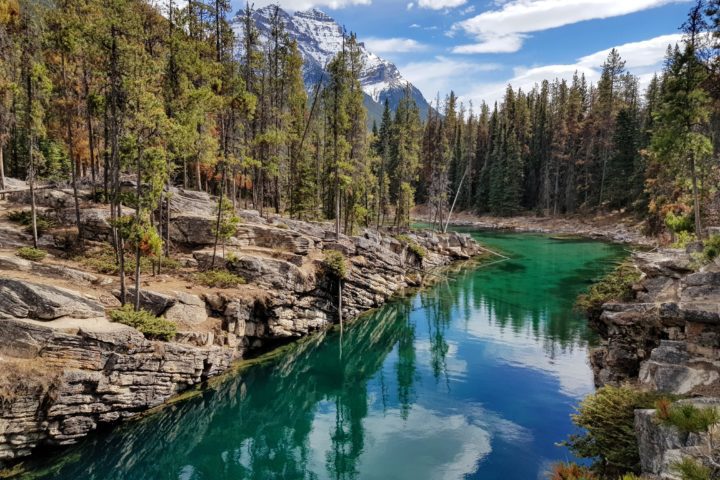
[474, 378]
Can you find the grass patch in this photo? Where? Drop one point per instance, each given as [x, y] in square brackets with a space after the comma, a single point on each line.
[335, 264]
[24, 217]
[616, 286]
[219, 279]
[607, 418]
[414, 247]
[30, 253]
[570, 471]
[152, 327]
[102, 260]
[690, 469]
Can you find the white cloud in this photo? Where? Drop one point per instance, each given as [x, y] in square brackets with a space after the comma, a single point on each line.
[642, 59]
[440, 4]
[442, 74]
[468, 10]
[507, 25]
[295, 5]
[410, 5]
[393, 45]
[414, 25]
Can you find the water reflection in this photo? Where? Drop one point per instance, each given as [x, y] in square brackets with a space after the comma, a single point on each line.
[474, 378]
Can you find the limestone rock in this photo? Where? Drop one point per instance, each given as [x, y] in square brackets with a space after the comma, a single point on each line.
[154, 302]
[23, 299]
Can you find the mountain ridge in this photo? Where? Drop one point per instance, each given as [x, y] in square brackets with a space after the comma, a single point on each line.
[319, 38]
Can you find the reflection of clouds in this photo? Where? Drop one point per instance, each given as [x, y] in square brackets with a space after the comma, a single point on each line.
[426, 445]
[456, 367]
[520, 347]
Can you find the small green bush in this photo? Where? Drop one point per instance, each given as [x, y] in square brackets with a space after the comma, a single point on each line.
[148, 324]
[683, 238]
[615, 286]
[688, 418]
[711, 249]
[335, 264]
[607, 417]
[680, 222]
[219, 279]
[103, 261]
[30, 253]
[24, 217]
[690, 469]
[412, 245]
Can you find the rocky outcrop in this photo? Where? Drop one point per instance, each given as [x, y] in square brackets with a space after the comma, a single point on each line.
[106, 376]
[109, 372]
[661, 446]
[21, 299]
[669, 336]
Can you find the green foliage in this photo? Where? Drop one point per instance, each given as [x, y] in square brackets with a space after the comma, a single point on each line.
[335, 264]
[219, 279]
[688, 418]
[690, 469]
[229, 221]
[615, 286]
[24, 217]
[607, 417]
[417, 249]
[30, 253]
[148, 324]
[679, 223]
[711, 249]
[103, 260]
[683, 239]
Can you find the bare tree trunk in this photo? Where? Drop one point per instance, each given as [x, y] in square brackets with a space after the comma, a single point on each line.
[137, 242]
[73, 159]
[696, 198]
[340, 315]
[2, 170]
[91, 134]
[30, 141]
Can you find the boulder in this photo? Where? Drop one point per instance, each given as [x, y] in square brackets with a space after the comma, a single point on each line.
[154, 302]
[191, 202]
[193, 229]
[23, 299]
[189, 310]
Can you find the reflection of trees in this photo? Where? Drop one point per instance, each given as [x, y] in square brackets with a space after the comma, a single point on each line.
[258, 423]
[405, 367]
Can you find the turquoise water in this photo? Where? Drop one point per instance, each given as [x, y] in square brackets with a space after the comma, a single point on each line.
[474, 378]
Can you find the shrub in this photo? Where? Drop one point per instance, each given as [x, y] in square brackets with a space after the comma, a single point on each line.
[711, 250]
[103, 260]
[688, 418]
[148, 324]
[680, 222]
[219, 279]
[683, 238]
[615, 286]
[24, 217]
[30, 253]
[608, 416]
[335, 264]
[412, 245]
[570, 471]
[689, 469]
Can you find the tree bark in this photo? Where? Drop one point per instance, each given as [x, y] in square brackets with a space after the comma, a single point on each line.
[73, 159]
[696, 198]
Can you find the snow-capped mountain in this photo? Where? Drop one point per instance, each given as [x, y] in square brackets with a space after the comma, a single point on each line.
[319, 39]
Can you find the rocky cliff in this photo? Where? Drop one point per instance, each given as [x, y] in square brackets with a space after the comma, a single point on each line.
[80, 371]
[666, 339]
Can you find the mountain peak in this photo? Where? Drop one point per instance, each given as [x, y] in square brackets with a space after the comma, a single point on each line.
[315, 14]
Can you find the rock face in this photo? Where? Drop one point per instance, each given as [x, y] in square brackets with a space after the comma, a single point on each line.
[19, 299]
[669, 337]
[106, 377]
[668, 340]
[109, 372]
[662, 446]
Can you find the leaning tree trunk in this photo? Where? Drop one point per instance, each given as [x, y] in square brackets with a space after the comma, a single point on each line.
[2, 170]
[696, 198]
[138, 191]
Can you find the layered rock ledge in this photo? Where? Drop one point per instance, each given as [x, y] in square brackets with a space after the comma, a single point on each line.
[92, 372]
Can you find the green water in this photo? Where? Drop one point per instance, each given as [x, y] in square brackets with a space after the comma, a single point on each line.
[474, 378]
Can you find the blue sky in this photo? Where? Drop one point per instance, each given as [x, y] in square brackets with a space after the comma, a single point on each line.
[477, 47]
